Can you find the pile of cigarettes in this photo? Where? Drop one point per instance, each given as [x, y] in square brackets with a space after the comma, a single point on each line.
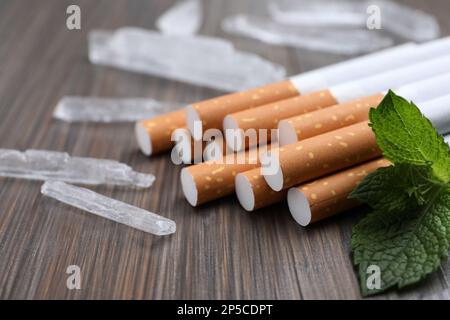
[305, 139]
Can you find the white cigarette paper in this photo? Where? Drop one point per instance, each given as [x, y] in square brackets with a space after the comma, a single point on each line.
[108, 208]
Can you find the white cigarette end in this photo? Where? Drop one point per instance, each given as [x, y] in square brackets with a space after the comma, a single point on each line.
[233, 135]
[182, 138]
[275, 180]
[299, 207]
[192, 117]
[143, 139]
[213, 151]
[286, 133]
[244, 192]
[189, 187]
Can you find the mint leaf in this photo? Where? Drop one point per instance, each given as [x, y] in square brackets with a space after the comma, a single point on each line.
[406, 136]
[405, 245]
[407, 235]
[395, 188]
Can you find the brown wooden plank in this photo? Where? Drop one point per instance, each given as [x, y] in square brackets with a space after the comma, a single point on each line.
[219, 251]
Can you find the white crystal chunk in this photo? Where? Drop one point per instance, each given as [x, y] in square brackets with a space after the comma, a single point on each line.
[335, 40]
[397, 18]
[184, 18]
[108, 208]
[51, 165]
[92, 109]
[199, 60]
[313, 13]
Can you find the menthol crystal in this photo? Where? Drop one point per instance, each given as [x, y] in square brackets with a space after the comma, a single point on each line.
[52, 165]
[93, 109]
[397, 18]
[108, 208]
[199, 60]
[184, 18]
[335, 40]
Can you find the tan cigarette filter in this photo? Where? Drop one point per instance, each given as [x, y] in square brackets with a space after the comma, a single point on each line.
[321, 155]
[268, 116]
[210, 180]
[187, 149]
[190, 151]
[154, 135]
[212, 112]
[253, 192]
[216, 149]
[215, 179]
[328, 196]
[314, 123]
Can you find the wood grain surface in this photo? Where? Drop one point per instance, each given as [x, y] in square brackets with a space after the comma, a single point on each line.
[219, 251]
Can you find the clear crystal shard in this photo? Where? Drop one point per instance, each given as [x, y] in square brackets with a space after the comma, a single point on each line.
[92, 109]
[108, 208]
[51, 165]
[184, 18]
[335, 40]
[199, 60]
[397, 18]
[317, 13]
[408, 22]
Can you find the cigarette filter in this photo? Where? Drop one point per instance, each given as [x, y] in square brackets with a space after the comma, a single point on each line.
[186, 149]
[268, 116]
[311, 124]
[212, 112]
[154, 135]
[189, 151]
[327, 196]
[216, 149]
[321, 155]
[212, 180]
[253, 192]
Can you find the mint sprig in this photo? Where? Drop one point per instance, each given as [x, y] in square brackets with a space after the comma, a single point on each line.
[406, 245]
[406, 136]
[407, 235]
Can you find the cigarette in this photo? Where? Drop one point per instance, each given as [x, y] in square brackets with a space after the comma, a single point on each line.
[213, 112]
[328, 196]
[215, 179]
[437, 110]
[253, 192]
[320, 155]
[186, 149]
[266, 117]
[154, 135]
[189, 151]
[216, 149]
[311, 124]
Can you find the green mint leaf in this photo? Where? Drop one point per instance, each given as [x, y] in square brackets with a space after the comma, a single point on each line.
[406, 136]
[405, 246]
[407, 235]
[395, 188]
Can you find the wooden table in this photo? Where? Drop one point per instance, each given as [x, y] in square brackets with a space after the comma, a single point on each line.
[219, 251]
